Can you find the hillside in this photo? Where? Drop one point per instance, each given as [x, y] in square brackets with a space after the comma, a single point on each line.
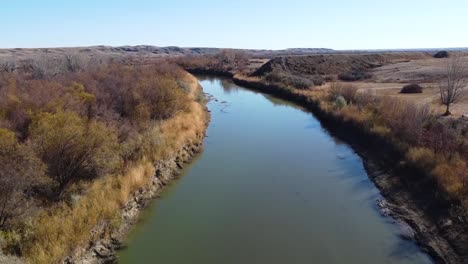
[331, 64]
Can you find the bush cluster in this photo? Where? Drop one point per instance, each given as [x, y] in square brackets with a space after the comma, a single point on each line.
[77, 126]
[289, 80]
[441, 54]
[411, 88]
[437, 146]
[226, 60]
[355, 75]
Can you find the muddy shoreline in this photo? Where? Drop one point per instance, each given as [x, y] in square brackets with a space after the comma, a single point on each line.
[435, 225]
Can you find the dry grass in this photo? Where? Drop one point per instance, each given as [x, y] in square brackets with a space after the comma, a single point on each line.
[57, 232]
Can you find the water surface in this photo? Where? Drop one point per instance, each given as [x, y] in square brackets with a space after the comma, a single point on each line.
[272, 186]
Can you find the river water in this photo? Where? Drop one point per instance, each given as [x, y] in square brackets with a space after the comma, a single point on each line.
[272, 186]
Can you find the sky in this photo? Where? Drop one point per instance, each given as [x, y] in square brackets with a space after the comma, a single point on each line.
[336, 24]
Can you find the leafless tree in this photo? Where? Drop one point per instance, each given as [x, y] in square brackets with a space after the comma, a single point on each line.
[235, 58]
[74, 62]
[44, 67]
[453, 87]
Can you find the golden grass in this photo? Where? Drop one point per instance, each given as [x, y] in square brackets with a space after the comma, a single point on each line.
[57, 232]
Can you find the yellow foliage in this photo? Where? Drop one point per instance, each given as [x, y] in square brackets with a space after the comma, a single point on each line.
[422, 157]
[354, 113]
[60, 230]
[380, 130]
[450, 175]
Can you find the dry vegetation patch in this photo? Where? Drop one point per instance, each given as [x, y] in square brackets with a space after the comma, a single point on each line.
[85, 141]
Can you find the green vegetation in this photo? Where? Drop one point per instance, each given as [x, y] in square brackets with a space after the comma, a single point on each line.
[75, 146]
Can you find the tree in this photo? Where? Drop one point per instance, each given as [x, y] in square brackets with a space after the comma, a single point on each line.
[453, 87]
[237, 59]
[73, 148]
[20, 168]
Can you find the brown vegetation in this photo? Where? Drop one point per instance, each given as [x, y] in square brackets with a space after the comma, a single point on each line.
[225, 61]
[75, 145]
[290, 80]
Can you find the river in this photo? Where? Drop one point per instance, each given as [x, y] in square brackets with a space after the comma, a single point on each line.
[272, 186]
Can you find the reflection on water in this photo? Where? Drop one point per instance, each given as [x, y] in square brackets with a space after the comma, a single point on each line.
[272, 186]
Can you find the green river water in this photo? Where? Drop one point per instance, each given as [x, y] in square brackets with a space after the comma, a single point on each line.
[271, 186]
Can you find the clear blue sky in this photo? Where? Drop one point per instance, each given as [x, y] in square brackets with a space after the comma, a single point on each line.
[338, 24]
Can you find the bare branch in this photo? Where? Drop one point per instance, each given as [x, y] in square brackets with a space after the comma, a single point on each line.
[453, 87]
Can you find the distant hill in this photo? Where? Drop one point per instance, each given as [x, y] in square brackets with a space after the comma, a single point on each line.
[154, 51]
[143, 50]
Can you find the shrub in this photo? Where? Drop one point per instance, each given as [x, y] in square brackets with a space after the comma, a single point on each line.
[72, 148]
[451, 175]
[441, 54]
[411, 88]
[289, 80]
[348, 91]
[441, 138]
[138, 93]
[19, 170]
[340, 102]
[355, 75]
[382, 131]
[318, 80]
[422, 157]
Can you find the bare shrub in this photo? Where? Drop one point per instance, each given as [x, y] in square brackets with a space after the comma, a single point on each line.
[7, 66]
[441, 138]
[74, 62]
[46, 67]
[20, 168]
[289, 80]
[406, 120]
[233, 59]
[348, 91]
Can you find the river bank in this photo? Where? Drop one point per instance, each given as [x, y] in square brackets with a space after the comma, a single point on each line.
[92, 228]
[104, 250]
[438, 227]
[182, 148]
